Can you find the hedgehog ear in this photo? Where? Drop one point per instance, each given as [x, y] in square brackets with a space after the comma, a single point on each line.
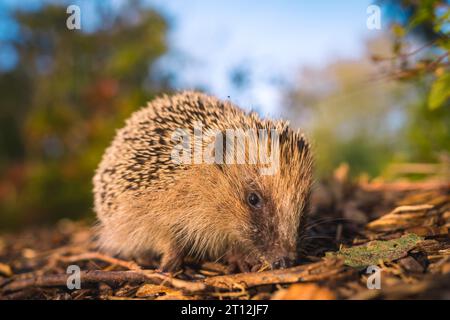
[301, 143]
[284, 136]
[215, 149]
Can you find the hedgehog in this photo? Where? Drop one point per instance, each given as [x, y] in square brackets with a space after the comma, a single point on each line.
[149, 202]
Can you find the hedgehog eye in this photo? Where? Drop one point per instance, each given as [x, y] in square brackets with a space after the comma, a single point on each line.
[254, 200]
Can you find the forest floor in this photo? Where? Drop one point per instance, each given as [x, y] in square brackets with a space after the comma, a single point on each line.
[363, 241]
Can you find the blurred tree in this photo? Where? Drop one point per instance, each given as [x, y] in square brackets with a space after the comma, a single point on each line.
[63, 100]
[350, 116]
[426, 25]
[402, 114]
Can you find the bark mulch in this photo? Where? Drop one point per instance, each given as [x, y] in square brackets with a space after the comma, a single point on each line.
[399, 229]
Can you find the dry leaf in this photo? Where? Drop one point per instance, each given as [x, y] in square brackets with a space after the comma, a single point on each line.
[152, 290]
[375, 251]
[405, 217]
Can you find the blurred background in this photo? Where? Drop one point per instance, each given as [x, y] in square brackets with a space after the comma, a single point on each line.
[368, 81]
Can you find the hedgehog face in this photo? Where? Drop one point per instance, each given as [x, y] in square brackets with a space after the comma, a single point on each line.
[236, 207]
[270, 242]
[270, 206]
[273, 216]
[264, 212]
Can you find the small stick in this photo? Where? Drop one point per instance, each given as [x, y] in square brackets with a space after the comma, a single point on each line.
[130, 265]
[313, 272]
[112, 278]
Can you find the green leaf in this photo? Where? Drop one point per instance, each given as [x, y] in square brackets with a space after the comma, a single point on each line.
[441, 22]
[376, 251]
[398, 30]
[440, 91]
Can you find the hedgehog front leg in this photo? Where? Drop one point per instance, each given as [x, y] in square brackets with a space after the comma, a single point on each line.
[172, 260]
[236, 263]
[239, 261]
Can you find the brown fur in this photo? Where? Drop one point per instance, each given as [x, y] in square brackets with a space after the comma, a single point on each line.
[147, 204]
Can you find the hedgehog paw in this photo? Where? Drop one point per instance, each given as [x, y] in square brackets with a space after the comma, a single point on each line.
[171, 261]
[238, 263]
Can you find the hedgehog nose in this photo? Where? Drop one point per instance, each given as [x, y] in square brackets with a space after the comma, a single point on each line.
[281, 263]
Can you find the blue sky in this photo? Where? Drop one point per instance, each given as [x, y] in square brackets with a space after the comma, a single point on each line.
[272, 39]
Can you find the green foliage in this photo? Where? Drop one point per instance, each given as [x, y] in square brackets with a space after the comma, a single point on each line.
[427, 133]
[402, 115]
[434, 16]
[62, 103]
[349, 117]
[440, 91]
[428, 69]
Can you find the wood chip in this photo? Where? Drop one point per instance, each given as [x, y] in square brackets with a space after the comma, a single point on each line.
[152, 290]
[5, 270]
[305, 291]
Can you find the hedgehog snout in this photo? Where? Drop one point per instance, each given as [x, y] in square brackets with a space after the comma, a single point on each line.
[282, 263]
[281, 260]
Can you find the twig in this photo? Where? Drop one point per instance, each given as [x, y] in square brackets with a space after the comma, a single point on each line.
[112, 278]
[313, 272]
[130, 265]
